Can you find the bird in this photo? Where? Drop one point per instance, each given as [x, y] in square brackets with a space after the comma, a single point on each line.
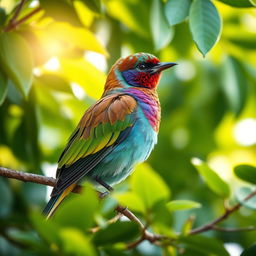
[116, 133]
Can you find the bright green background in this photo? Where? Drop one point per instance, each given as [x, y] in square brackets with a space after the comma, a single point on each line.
[53, 66]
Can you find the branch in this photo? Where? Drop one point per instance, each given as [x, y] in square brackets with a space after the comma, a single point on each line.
[12, 25]
[225, 215]
[17, 11]
[145, 235]
[49, 181]
[31, 177]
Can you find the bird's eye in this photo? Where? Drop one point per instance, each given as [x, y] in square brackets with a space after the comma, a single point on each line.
[142, 66]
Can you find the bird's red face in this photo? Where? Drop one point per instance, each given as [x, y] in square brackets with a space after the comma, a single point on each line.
[142, 70]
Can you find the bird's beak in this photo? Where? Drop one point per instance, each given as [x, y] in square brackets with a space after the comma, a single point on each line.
[162, 66]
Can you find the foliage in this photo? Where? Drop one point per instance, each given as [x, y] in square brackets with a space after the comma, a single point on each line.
[53, 59]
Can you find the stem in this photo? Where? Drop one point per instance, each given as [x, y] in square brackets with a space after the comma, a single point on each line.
[14, 24]
[225, 215]
[113, 220]
[124, 211]
[17, 11]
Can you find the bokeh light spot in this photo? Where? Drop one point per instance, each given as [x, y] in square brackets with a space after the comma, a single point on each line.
[52, 64]
[245, 132]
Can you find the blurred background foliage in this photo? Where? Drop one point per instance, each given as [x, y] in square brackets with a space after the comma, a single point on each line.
[54, 57]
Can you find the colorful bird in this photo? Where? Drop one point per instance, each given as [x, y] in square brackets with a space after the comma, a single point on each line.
[117, 132]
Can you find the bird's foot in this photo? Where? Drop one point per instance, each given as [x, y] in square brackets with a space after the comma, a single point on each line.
[104, 194]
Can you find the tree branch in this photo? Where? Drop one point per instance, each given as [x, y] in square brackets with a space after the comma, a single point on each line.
[49, 181]
[145, 235]
[228, 211]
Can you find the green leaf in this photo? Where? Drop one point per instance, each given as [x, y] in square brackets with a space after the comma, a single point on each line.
[25, 138]
[207, 245]
[47, 229]
[242, 193]
[205, 24]
[82, 38]
[246, 172]
[3, 87]
[32, 198]
[24, 237]
[133, 14]
[177, 11]
[94, 5]
[246, 40]
[149, 186]
[212, 179]
[76, 243]
[54, 82]
[85, 15]
[161, 32]
[187, 225]
[251, 251]
[130, 200]
[5, 198]
[61, 10]
[238, 3]
[253, 2]
[85, 74]
[79, 210]
[2, 16]
[13, 51]
[117, 232]
[178, 205]
[234, 84]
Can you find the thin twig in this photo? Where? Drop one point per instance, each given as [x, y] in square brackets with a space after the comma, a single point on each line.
[17, 11]
[250, 228]
[113, 220]
[124, 211]
[14, 24]
[136, 243]
[225, 215]
[146, 235]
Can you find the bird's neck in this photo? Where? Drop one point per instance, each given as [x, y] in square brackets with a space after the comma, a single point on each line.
[149, 103]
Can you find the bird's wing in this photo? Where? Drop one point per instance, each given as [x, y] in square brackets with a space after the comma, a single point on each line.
[104, 125]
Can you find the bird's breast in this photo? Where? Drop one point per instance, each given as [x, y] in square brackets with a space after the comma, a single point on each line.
[149, 104]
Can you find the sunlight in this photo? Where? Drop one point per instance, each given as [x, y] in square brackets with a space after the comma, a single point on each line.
[196, 161]
[37, 72]
[97, 59]
[233, 248]
[52, 64]
[34, 3]
[49, 171]
[78, 91]
[186, 71]
[245, 132]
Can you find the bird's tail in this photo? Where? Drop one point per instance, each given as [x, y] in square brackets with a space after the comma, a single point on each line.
[55, 201]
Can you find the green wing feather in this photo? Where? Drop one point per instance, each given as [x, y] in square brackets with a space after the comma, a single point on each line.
[101, 127]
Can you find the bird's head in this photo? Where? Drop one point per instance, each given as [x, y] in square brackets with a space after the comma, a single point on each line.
[136, 70]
